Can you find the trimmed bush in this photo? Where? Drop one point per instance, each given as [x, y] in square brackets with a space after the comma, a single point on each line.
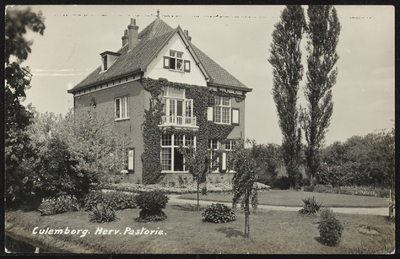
[102, 212]
[283, 183]
[151, 205]
[311, 206]
[330, 228]
[219, 213]
[51, 206]
[118, 200]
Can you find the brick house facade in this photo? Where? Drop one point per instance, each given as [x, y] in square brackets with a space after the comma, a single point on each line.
[164, 56]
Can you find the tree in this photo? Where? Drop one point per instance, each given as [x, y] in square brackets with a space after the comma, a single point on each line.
[288, 71]
[17, 81]
[243, 182]
[323, 35]
[268, 159]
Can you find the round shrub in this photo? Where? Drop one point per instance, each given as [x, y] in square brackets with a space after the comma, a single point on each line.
[219, 213]
[284, 183]
[330, 228]
[151, 205]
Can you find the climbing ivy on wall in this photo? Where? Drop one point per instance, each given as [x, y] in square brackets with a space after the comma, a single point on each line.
[203, 98]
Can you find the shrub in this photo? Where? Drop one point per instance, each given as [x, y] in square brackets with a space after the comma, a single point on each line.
[118, 200]
[204, 191]
[219, 213]
[309, 188]
[102, 212]
[283, 183]
[51, 206]
[311, 206]
[305, 182]
[151, 205]
[330, 228]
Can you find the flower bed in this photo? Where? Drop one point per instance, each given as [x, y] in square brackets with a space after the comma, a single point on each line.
[351, 190]
[190, 188]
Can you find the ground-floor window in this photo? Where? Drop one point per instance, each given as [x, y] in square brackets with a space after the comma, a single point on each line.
[221, 155]
[171, 158]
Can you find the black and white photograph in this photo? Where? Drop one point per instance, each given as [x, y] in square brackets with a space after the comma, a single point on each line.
[199, 129]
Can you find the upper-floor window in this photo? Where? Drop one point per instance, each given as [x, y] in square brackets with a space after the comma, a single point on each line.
[222, 110]
[121, 107]
[175, 61]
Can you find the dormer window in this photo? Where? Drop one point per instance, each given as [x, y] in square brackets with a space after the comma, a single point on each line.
[107, 59]
[176, 62]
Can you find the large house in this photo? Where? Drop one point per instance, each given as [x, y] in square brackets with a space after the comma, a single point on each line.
[166, 94]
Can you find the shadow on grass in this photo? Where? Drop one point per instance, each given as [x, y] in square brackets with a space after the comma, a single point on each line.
[319, 240]
[187, 207]
[230, 232]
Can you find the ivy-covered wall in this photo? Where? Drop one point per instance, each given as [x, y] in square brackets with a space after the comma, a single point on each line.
[203, 98]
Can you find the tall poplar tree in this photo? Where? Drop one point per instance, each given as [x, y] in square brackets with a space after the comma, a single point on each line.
[288, 71]
[323, 36]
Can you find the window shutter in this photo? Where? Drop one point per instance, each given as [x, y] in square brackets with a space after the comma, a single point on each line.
[187, 65]
[210, 113]
[235, 116]
[166, 62]
[131, 160]
[223, 161]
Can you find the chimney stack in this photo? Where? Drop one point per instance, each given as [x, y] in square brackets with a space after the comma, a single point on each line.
[187, 35]
[125, 38]
[133, 34]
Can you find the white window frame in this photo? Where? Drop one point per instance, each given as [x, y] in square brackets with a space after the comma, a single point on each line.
[172, 148]
[213, 146]
[122, 107]
[219, 106]
[176, 56]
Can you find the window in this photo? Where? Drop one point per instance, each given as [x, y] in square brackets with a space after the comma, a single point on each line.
[213, 146]
[171, 159]
[105, 63]
[178, 110]
[176, 62]
[121, 108]
[228, 159]
[222, 110]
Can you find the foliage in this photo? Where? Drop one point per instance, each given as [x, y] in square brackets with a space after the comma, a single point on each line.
[102, 212]
[219, 213]
[151, 216]
[330, 228]
[351, 190]
[323, 31]
[117, 200]
[202, 98]
[268, 160]
[283, 183]
[151, 205]
[61, 204]
[288, 71]
[311, 206]
[72, 153]
[367, 160]
[17, 117]
[243, 182]
[152, 201]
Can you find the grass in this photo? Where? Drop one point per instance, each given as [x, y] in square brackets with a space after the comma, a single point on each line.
[294, 199]
[271, 232]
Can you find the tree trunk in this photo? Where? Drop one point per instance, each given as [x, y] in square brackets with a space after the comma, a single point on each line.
[198, 190]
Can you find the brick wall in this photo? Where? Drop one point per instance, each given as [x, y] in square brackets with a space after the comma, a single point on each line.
[138, 100]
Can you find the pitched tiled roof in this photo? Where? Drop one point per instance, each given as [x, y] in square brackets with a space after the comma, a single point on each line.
[151, 40]
[217, 74]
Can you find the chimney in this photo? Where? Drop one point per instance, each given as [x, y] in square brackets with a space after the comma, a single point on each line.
[125, 38]
[187, 35]
[133, 34]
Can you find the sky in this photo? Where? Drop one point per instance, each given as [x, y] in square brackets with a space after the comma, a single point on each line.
[238, 38]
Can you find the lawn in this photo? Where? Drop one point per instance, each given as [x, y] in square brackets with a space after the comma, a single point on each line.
[294, 199]
[184, 232]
